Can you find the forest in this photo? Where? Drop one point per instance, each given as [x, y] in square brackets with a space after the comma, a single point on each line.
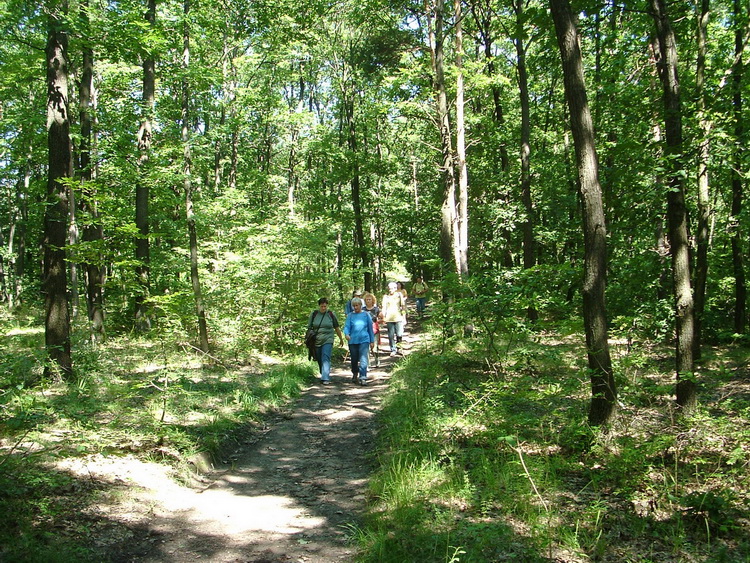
[182, 181]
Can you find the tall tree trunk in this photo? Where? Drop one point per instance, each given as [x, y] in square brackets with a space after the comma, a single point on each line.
[448, 242]
[704, 206]
[142, 244]
[73, 239]
[529, 245]
[18, 235]
[677, 218]
[188, 184]
[92, 231]
[462, 209]
[603, 390]
[359, 230]
[740, 288]
[4, 281]
[57, 321]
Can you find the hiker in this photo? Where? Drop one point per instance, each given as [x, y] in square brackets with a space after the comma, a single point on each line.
[348, 307]
[371, 306]
[326, 326]
[420, 294]
[400, 328]
[393, 309]
[358, 331]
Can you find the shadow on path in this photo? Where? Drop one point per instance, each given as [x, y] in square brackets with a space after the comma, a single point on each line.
[294, 495]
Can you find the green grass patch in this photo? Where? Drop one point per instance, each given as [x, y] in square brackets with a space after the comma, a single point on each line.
[491, 459]
[156, 401]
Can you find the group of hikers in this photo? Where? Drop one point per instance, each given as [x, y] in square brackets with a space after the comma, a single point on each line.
[361, 327]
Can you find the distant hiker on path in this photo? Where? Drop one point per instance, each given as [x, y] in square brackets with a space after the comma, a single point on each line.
[394, 308]
[359, 333]
[348, 307]
[371, 306]
[326, 326]
[420, 294]
[400, 328]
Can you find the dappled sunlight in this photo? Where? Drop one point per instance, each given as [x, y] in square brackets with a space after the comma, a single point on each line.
[226, 511]
[26, 331]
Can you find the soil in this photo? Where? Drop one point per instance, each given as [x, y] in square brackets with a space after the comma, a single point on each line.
[294, 492]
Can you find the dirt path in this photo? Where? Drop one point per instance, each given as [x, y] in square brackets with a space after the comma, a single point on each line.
[294, 495]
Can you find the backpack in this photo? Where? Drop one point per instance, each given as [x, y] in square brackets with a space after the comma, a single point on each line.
[310, 336]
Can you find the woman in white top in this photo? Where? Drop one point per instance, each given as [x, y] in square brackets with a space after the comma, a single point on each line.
[393, 308]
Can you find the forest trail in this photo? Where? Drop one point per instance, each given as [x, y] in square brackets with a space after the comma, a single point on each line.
[294, 495]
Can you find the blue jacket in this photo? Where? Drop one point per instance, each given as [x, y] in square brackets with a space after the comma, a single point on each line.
[358, 327]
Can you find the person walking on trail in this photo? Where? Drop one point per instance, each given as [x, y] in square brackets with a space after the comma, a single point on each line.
[348, 307]
[400, 328]
[358, 331]
[371, 306]
[393, 310]
[420, 294]
[326, 327]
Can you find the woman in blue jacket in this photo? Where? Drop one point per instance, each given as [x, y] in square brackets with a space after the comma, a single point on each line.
[358, 331]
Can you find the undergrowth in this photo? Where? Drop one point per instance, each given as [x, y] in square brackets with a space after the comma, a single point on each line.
[159, 401]
[491, 459]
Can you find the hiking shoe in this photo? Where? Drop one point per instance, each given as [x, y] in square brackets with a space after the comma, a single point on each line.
[325, 382]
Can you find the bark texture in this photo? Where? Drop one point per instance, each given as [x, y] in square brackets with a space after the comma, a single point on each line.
[677, 217]
[603, 390]
[57, 320]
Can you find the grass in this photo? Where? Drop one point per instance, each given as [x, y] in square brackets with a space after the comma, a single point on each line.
[484, 461]
[480, 460]
[156, 401]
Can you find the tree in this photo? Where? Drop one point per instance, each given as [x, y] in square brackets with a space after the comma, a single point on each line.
[704, 206]
[93, 233]
[57, 319]
[603, 390]
[677, 217]
[740, 288]
[188, 183]
[529, 244]
[448, 218]
[142, 191]
[462, 207]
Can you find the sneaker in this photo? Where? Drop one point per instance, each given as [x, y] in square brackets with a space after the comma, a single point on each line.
[393, 353]
[325, 382]
[363, 382]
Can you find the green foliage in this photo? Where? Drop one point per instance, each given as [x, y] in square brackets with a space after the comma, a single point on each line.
[156, 400]
[36, 500]
[494, 459]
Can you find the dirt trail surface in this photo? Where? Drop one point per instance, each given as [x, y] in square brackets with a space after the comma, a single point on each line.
[292, 494]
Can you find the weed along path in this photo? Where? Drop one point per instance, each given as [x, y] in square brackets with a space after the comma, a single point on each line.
[294, 495]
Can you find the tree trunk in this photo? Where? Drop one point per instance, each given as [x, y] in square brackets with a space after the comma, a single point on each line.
[462, 210]
[188, 185]
[17, 237]
[603, 390]
[92, 231]
[704, 208]
[527, 228]
[740, 288]
[57, 321]
[142, 245]
[448, 242]
[359, 230]
[677, 218]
